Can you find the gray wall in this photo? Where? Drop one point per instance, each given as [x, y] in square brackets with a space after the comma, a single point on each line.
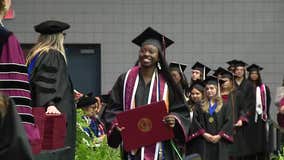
[210, 31]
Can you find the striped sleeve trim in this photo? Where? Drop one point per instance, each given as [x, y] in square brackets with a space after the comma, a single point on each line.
[14, 84]
[27, 118]
[13, 67]
[46, 90]
[49, 69]
[45, 79]
[22, 101]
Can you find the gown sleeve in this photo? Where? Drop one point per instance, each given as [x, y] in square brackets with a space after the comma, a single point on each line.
[49, 79]
[268, 100]
[178, 108]
[197, 128]
[239, 102]
[226, 131]
[113, 108]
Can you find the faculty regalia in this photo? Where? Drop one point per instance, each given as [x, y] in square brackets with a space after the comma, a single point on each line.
[14, 81]
[51, 85]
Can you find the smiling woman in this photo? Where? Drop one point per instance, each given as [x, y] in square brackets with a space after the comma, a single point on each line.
[146, 83]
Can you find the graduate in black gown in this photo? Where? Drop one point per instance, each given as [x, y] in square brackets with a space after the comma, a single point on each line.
[195, 141]
[50, 82]
[177, 72]
[214, 123]
[199, 71]
[14, 144]
[132, 89]
[233, 99]
[259, 130]
[232, 66]
[245, 87]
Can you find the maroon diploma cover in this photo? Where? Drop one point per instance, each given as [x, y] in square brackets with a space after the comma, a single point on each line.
[144, 126]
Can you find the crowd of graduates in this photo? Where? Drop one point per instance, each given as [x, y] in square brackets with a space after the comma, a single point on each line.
[220, 114]
[229, 112]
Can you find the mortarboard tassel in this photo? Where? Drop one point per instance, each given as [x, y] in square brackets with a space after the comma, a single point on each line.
[219, 87]
[203, 73]
[164, 47]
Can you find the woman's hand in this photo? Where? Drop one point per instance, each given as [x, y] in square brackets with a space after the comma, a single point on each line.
[170, 120]
[52, 110]
[119, 128]
[239, 123]
[208, 137]
[216, 138]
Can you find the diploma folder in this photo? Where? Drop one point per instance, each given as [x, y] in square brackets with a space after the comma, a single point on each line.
[144, 126]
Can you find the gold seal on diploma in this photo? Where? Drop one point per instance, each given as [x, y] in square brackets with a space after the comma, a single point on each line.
[144, 124]
[211, 120]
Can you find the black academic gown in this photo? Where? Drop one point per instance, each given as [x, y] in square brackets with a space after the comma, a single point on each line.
[14, 144]
[235, 102]
[195, 142]
[177, 107]
[51, 85]
[259, 135]
[246, 89]
[221, 125]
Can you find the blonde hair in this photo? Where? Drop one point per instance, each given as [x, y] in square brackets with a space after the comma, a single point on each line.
[217, 99]
[45, 43]
[4, 102]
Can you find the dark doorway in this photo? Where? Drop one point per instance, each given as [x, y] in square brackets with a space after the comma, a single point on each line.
[84, 65]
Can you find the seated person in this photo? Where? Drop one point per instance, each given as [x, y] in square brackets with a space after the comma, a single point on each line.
[90, 107]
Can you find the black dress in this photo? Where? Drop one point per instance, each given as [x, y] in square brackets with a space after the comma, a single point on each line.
[51, 85]
[177, 107]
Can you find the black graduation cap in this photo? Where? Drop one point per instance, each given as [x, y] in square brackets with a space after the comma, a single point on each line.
[86, 100]
[213, 80]
[181, 67]
[151, 36]
[227, 74]
[51, 27]
[197, 85]
[232, 62]
[202, 68]
[254, 67]
[219, 71]
[240, 63]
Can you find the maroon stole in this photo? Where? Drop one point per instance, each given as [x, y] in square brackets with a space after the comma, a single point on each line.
[158, 91]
